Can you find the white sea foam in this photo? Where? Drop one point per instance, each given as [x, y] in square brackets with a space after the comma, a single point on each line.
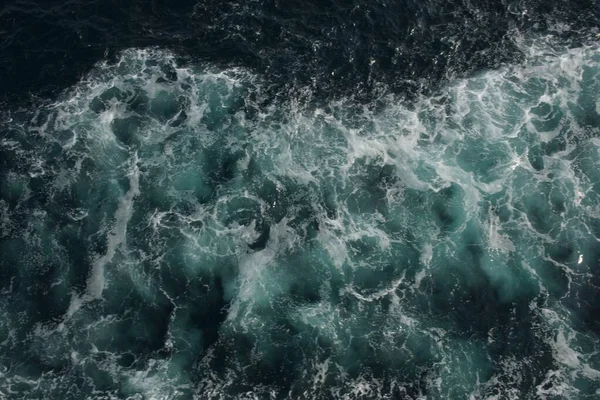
[116, 239]
[401, 201]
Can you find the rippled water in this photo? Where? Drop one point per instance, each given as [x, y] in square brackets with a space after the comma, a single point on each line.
[179, 227]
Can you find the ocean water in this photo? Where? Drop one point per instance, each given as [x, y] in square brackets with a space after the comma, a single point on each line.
[300, 200]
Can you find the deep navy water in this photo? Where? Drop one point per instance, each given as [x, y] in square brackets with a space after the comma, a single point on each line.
[300, 199]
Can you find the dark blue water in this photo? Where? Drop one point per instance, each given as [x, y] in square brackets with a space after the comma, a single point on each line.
[49, 45]
[299, 200]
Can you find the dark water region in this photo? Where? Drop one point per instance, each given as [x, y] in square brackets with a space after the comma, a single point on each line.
[299, 200]
[335, 47]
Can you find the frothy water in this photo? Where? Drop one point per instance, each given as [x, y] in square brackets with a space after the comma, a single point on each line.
[170, 232]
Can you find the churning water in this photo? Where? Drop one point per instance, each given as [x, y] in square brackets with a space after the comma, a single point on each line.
[176, 228]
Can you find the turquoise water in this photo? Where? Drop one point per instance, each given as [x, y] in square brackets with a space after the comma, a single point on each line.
[173, 230]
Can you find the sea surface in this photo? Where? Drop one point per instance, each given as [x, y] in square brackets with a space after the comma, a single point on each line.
[215, 199]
